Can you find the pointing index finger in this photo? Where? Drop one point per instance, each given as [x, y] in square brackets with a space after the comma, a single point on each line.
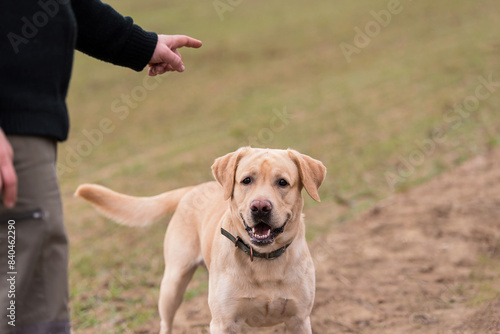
[180, 41]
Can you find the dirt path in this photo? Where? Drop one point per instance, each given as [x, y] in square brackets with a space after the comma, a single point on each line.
[426, 261]
[420, 262]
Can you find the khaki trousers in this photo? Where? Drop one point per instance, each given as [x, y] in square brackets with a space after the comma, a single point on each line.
[33, 245]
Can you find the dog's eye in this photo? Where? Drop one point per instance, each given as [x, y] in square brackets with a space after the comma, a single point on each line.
[246, 180]
[282, 183]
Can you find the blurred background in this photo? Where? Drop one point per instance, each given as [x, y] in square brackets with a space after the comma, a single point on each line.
[388, 94]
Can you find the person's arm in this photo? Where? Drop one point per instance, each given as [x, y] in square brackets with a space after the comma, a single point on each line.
[8, 177]
[105, 34]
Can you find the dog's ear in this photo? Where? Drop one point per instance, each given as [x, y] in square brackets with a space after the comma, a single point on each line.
[312, 172]
[224, 169]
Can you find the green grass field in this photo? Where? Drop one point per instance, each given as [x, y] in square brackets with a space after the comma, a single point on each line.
[410, 102]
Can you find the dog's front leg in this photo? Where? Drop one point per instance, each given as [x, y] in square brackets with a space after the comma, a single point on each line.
[298, 326]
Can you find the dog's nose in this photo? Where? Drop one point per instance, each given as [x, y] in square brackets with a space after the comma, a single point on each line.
[261, 208]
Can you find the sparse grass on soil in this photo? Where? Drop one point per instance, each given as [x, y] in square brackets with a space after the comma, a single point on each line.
[272, 74]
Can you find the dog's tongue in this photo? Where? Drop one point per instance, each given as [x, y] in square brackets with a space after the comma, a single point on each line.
[261, 230]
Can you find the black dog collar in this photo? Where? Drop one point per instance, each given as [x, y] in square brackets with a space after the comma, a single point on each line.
[249, 250]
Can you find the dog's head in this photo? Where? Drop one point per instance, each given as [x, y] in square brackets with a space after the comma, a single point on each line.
[264, 187]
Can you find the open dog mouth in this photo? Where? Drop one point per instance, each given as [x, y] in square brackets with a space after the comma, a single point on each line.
[262, 233]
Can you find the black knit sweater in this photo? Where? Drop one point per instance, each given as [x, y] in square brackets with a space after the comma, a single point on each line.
[37, 42]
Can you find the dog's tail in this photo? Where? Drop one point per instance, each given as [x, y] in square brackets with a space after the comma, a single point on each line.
[131, 210]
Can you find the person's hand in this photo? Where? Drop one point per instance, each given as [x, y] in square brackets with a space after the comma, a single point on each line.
[8, 177]
[166, 57]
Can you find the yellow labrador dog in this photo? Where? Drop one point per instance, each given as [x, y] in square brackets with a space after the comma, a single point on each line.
[247, 229]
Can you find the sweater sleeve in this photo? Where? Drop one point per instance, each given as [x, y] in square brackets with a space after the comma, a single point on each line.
[105, 34]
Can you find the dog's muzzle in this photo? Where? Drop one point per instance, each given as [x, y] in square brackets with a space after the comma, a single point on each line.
[262, 233]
